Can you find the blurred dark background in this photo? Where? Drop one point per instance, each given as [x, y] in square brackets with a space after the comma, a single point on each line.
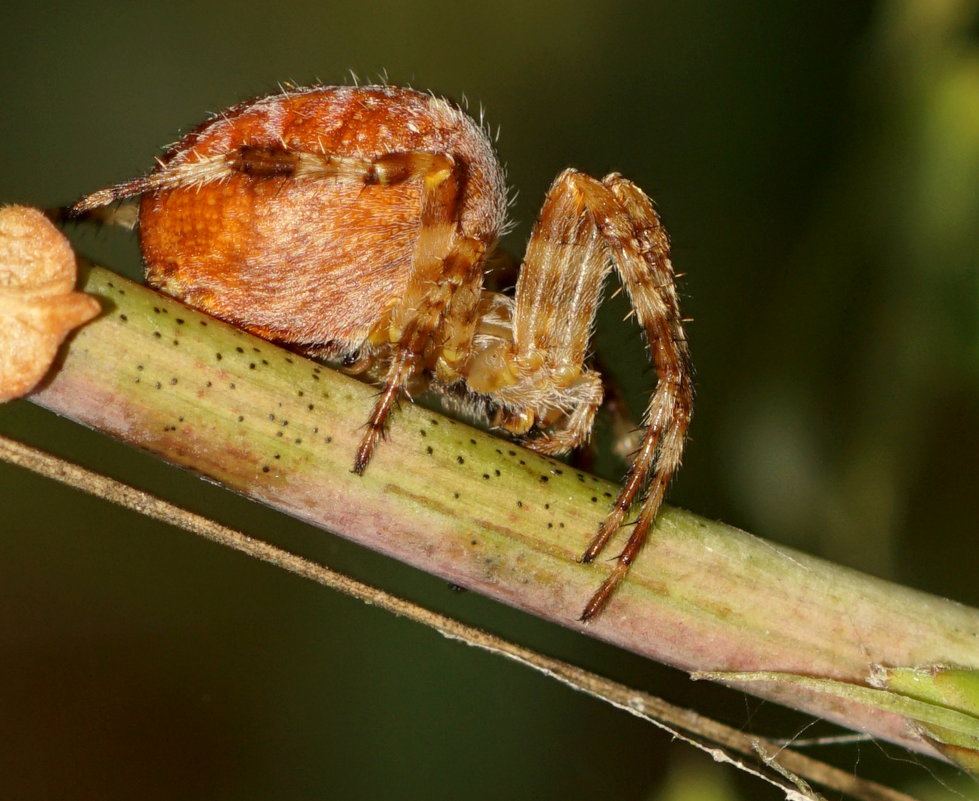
[817, 165]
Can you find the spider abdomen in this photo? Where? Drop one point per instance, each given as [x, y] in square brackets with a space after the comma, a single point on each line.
[311, 261]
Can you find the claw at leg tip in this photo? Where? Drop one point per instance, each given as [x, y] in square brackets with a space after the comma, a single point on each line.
[587, 614]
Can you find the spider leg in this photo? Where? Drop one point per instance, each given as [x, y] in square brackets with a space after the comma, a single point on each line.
[261, 162]
[560, 284]
[639, 245]
[595, 390]
[443, 291]
[586, 226]
[626, 433]
[543, 380]
[170, 176]
[575, 428]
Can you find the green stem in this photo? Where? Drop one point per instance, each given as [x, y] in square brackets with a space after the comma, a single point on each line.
[486, 514]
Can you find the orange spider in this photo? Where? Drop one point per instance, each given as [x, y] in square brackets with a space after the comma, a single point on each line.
[356, 222]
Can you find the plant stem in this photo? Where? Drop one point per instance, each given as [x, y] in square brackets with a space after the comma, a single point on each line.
[486, 514]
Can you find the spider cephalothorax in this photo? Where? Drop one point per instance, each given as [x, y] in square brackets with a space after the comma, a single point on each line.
[356, 222]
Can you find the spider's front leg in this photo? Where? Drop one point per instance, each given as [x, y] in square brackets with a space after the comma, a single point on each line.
[585, 227]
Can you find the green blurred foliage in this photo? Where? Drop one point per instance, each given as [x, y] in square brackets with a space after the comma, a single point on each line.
[817, 165]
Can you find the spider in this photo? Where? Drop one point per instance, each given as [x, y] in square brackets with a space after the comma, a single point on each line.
[356, 223]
